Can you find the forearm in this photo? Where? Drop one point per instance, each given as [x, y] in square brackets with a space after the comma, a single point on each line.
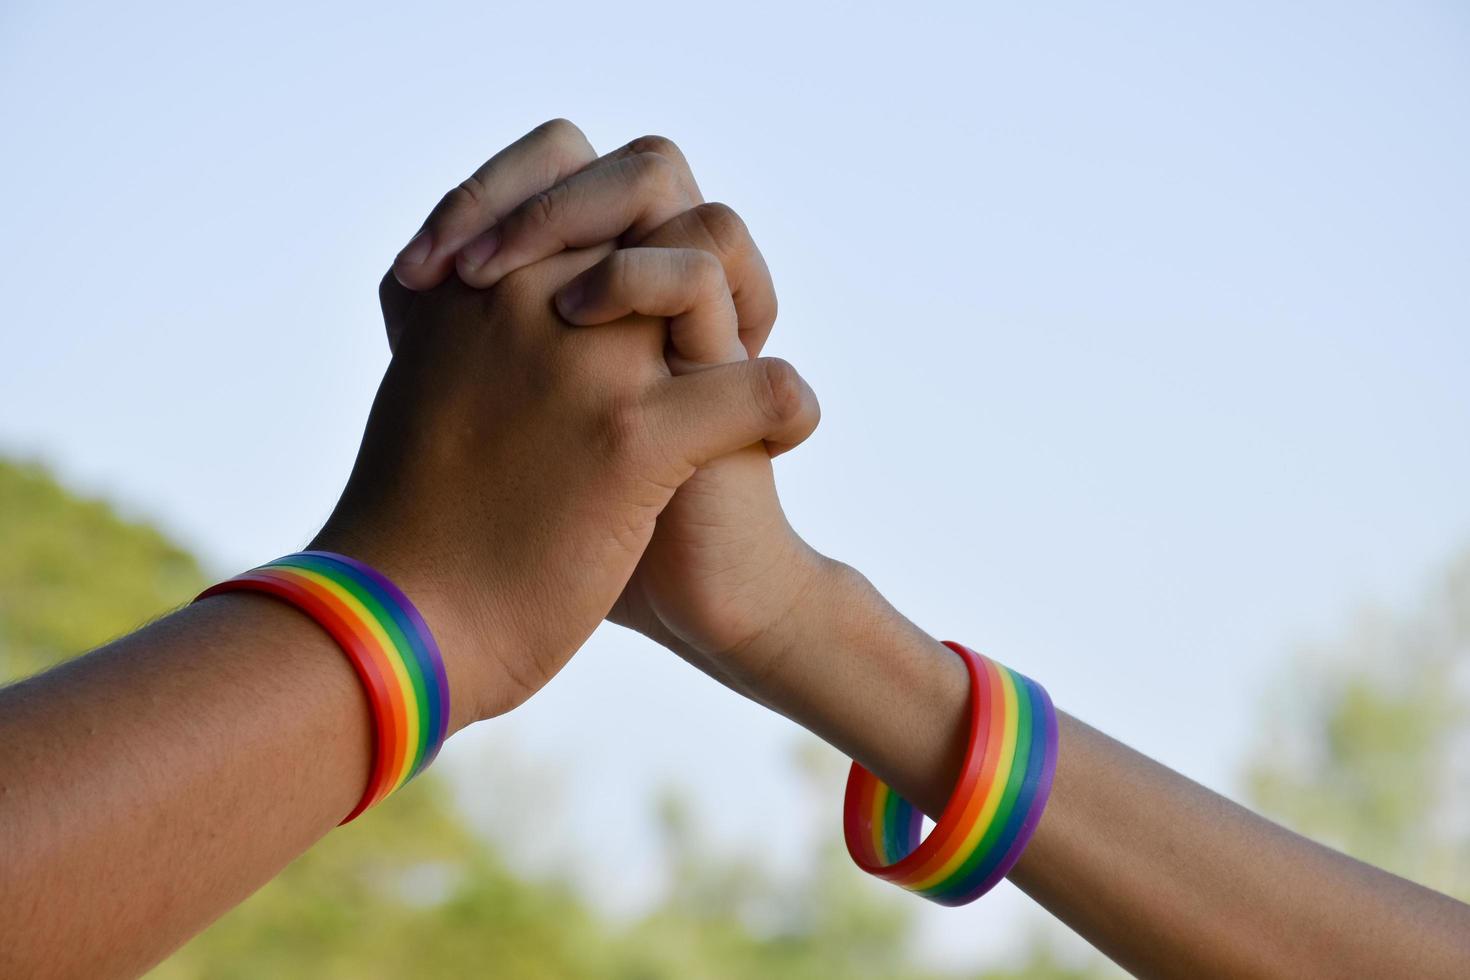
[1170, 879]
[151, 785]
[1164, 876]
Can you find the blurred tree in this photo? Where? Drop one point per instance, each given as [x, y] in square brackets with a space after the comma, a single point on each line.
[73, 574]
[1365, 745]
[410, 891]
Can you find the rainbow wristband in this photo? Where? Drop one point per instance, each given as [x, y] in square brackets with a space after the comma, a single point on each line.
[1003, 788]
[389, 645]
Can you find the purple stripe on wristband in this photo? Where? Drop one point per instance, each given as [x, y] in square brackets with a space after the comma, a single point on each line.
[430, 644]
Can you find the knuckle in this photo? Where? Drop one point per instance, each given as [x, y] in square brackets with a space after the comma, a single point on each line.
[661, 145]
[655, 169]
[618, 275]
[560, 131]
[759, 295]
[750, 279]
[623, 431]
[564, 146]
[470, 194]
[778, 390]
[545, 207]
[707, 271]
[723, 225]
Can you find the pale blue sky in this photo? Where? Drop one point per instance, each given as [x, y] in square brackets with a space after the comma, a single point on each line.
[1141, 330]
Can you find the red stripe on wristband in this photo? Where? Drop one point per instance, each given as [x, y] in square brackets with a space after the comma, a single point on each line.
[1003, 787]
[387, 643]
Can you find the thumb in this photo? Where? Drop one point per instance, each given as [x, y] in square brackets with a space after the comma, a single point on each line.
[711, 413]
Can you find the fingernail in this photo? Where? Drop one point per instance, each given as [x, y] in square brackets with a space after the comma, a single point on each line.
[478, 252]
[570, 298]
[417, 250]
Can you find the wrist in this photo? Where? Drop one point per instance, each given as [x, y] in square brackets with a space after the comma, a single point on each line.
[433, 586]
[763, 666]
[832, 605]
[849, 667]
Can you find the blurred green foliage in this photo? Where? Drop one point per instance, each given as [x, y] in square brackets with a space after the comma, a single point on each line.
[1366, 747]
[74, 574]
[411, 890]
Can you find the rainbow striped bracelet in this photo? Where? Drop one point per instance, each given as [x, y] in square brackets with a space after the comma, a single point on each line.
[389, 645]
[992, 813]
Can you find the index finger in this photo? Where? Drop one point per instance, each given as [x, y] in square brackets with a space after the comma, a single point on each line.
[648, 165]
[541, 159]
[667, 149]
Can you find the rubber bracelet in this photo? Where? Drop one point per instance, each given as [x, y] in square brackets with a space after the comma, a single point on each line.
[1003, 787]
[389, 646]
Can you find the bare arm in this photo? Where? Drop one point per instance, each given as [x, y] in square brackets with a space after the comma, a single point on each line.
[1159, 873]
[1165, 877]
[151, 785]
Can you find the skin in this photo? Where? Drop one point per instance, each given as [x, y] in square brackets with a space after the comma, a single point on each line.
[220, 742]
[1163, 876]
[723, 547]
[659, 510]
[724, 563]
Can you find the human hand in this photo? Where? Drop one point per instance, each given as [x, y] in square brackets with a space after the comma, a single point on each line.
[513, 467]
[723, 564]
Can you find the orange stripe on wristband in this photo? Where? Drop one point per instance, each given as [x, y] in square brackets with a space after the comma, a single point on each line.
[998, 800]
[389, 646]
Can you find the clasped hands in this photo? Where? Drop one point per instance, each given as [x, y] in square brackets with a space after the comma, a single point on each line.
[576, 425]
